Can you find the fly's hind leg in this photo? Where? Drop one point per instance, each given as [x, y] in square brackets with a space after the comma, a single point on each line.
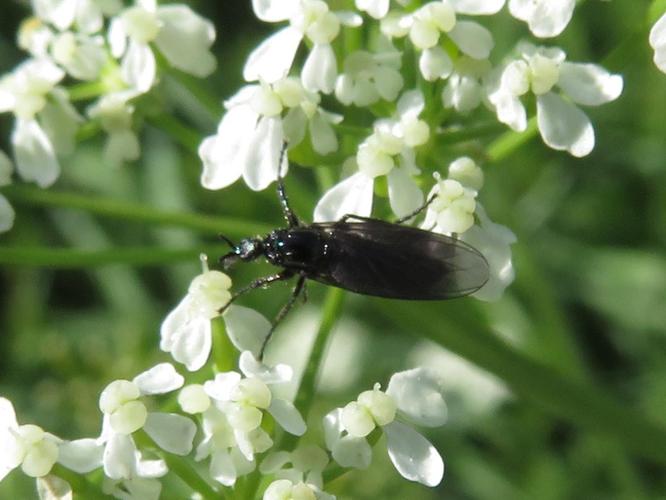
[300, 287]
[416, 212]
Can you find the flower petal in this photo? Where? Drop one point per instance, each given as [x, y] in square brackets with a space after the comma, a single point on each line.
[477, 7]
[34, 154]
[222, 387]
[222, 468]
[404, 194]
[247, 329]
[263, 154]
[7, 215]
[224, 154]
[352, 195]
[272, 60]
[589, 84]
[159, 379]
[545, 18]
[273, 11]
[563, 126]
[412, 455]
[287, 416]
[53, 488]
[472, 39]
[435, 63]
[119, 457]
[320, 69]
[138, 68]
[173, 433]
[81, 455]
[419, 394]
[192, 343]
[324, 140]
[185, 39]
[352, 451]
[410, 104]
[277, 374]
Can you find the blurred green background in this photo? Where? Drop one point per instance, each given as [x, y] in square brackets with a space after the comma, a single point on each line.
[586, 315]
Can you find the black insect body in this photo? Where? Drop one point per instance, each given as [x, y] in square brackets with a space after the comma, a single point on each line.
[363, 255]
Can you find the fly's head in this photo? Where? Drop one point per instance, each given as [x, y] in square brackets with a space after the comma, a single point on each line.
[248, 249]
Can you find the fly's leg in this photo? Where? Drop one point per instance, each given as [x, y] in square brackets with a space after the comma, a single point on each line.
[258, 283]
[416, 212]
[300, 287]
[289, 214]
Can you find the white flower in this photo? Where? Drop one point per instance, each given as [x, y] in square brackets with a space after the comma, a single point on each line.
[429, 23]
[375, 8]
[284, 489]
[392, 139]
[494, 242]
[181, 35]
[137, 488]
[658, 42]
[186, 331]
[307, 465]
[45, 121]
[563, 126]
[452, 210]
[368, 77]
[7, 213]
[273, 58]
[114, 112]
[82, 56]
[414, 396]
[464, 90]
[545, 18]
[252, 132]
[36, 451]
[86, 16]
[124, 413]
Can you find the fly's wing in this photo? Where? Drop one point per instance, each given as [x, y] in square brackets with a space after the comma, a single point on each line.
[374, 257]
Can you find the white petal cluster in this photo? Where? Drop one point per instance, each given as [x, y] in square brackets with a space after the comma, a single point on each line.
[413, 396]
[388, 151]
[284, 489]
[464, 90]
[186, 332]
[251, 134]
[545, 18]
[539, 70]
[232, 408]
[429, 26]
[125, 413]
[368, 77]
[658, 42]
[181, 35]
[45, 121]
[303, 465]
[311, 19]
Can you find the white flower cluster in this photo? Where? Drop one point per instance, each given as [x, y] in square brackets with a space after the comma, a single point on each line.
[111, 49]
[395, 157]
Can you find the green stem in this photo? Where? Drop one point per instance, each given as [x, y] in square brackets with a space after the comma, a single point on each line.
[223, 350]
[576, 401]
[510, 141]
[182, 468]
[79, 483]
[67, 258]
[447, 136]
[130, 211]
[86, 90]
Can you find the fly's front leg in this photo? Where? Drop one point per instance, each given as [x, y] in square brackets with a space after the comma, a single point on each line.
[258, 283]
[300, 287]
[416, 212]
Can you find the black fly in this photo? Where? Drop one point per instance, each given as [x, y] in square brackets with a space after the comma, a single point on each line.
[362, 255]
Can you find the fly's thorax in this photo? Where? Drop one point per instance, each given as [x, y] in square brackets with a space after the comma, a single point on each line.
[297, 248]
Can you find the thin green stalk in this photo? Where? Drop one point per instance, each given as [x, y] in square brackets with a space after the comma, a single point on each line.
[576, 401]
[510, 141]
[223, 351]
[130, 211]
[68, 258]
[80, 484]
[182, 468]
[86, 90]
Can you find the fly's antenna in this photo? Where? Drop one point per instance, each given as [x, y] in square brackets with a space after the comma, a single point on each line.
[227, 240]
[289, 214]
